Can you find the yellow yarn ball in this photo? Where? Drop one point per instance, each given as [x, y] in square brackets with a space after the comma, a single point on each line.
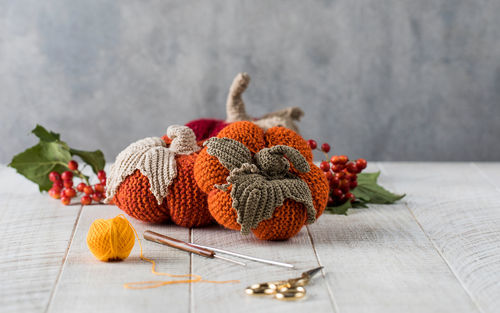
[111, 239]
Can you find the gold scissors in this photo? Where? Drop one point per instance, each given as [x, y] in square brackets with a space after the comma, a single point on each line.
[291, 289]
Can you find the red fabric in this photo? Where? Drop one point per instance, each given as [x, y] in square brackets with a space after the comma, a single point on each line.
[205, 128]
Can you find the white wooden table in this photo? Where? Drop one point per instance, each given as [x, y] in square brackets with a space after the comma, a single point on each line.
[437, 250]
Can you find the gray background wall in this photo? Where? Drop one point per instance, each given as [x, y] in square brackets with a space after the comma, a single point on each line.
[385, 80]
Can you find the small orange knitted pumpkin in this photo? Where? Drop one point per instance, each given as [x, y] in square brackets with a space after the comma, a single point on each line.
[152, 180]
[212, 175]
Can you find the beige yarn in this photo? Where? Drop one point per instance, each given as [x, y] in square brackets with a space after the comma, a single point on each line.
[155, 161]
[235, 108]
[261, 184]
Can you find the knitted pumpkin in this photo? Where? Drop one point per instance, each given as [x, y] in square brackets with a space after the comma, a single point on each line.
[235, 111]
[261, 181]
[152, 180]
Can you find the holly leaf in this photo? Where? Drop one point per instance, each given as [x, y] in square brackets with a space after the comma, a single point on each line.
[369, 191]
[366, 178]
[94, 158]
[341, 209]
[38, 161]
[45, 135]
[359, 204]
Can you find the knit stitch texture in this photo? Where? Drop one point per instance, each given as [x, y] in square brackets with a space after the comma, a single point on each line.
[287, 219]
[261, 184]
[167, 190]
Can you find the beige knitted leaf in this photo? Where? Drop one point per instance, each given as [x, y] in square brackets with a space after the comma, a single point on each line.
[155, 161]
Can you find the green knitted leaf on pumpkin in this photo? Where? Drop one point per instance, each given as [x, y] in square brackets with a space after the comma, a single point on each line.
[261, 184]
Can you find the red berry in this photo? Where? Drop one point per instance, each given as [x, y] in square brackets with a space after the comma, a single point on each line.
[86, 200]
[350, 196]
[312, 143]
[331, 201]
[334, 159]
[103, 181]
[69, 192]
[59, 184]
[337, 168]
[325, 147]
[97, 196]
[335, 182]
[55, 193]
[337, 192]
[57, 187]
[352, 168]
[65, 200]
[353, 184]
[88, 190]
[80, 187]
[324, 166]
[345, 188]
[99, 188]
[361, 164]
[339, 175]
[73, 165]
[67, 175]
[68, 183]
[54, 176]
[329, 175]
[101, 174]
[343, 159]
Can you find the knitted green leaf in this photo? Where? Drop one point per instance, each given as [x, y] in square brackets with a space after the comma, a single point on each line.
[261, 184]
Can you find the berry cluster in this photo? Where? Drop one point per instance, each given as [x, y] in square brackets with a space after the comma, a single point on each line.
[62, 186]
[340, 173]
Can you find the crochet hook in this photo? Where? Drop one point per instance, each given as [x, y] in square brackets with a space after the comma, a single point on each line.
[181, 245]
[245, 256]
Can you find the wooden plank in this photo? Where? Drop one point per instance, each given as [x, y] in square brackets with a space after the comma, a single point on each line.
[88, 285]
[491, 171]
[460, 212]
[35, 231]
[297, 250]
[379, 260]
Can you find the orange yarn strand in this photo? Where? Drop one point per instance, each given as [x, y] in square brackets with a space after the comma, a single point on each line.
[158, 283]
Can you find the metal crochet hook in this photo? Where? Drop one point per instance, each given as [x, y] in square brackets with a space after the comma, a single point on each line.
[181, 245]
[239, 255]
[290, 289]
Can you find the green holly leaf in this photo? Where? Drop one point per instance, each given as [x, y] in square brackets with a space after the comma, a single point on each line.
[38, 161]
[359, 204]
[366, 178]
[45, 135]
[369, 191]
[341, 209]
[52, 154]
[94, 158]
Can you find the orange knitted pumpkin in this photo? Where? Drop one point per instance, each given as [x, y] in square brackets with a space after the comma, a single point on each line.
[153, 181]
[287, 219]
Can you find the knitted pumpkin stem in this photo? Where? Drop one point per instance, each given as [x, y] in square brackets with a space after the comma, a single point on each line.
[273, 161]
[235, 107]
[183, 139]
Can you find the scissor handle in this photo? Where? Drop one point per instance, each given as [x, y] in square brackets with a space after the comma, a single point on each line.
[267, 288]
[290, 293]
